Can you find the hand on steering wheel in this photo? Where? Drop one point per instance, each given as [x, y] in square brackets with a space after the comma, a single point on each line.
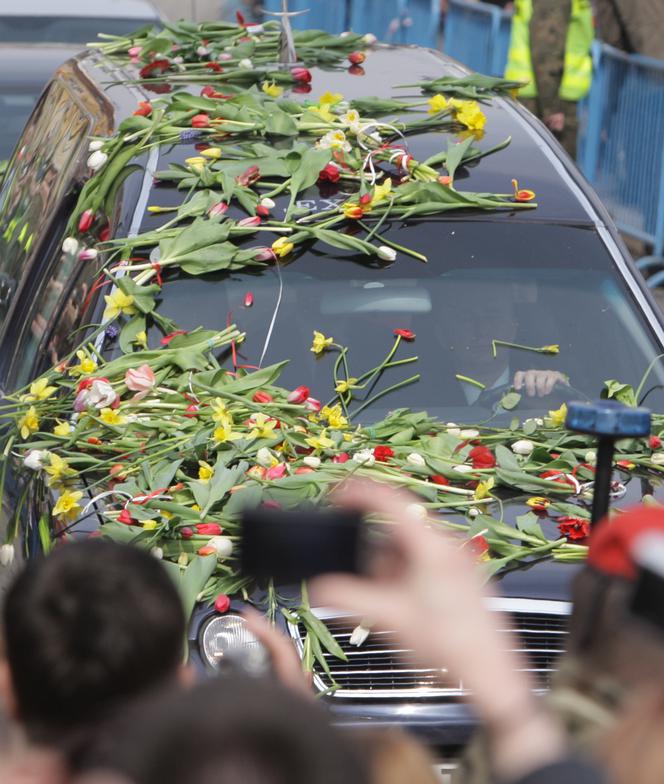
[538, 383]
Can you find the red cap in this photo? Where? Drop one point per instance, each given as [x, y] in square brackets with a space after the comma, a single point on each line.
[612, 542]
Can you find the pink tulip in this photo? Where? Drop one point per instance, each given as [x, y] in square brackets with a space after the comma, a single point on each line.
[312, 404]
[298, 395]
[265, 254]
[277, 472]
[218, 209]
[253, 221]
[140, 380]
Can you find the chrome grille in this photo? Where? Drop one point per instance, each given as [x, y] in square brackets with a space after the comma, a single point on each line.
[380, 668]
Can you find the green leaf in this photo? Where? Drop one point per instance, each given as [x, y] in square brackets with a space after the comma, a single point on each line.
[529, 524]
[624, 393]
[506, 458]
[510, 400]
[344, 241]
[129, 331]
[311, 162]
[315, 626]
[456, 153]
[280, 123]
[531, 484]
[191, 581]
[144, 296]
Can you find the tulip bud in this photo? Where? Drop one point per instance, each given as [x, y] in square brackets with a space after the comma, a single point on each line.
[191, 411]
[70, 245]
[248, 299]
[473, 512]
[97, 160]
[186, 532]
[34, 459]
[268, 203]
[246, 63]
[208, 529]
[7, 554]
[264, 254]
[370, 39]
[95, 145]
[522, 447]
[157, 553]
[301, 75]
[202, 51]
[218, 209]
[254, 220]
[223, 546]
[416, 459]
[262, 397]
[86, 220]
[386, 254]
[359, 635]
[417, 510]
[264, 457]
[469, 433]
[312, 461]
[357, 58]
[222, 603]
[453, 429]
[88, 254]
[311, 404]
[200, 121]
[298, 395]
[342, 457]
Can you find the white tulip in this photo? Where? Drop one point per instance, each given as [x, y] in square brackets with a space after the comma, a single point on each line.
[202, 51]
[416, 459]
[95, 145]
[312, 461]
[268, 203]
[522, 447]
[463, 468]
[264, 457]
[364, 457]
[359, 635]
[590, 457]
[222, 544]
[157, 553]
[473, 512]
[453, 429]
[97, 160]
[417, 510]
[370, 39]
[34, 459]
[469, 433]
[658, 458]
[386, 254]
[6, 554]
[246, 64]
[70, 245]
[254, 29]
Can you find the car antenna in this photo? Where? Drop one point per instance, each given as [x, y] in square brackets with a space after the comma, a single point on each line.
[287, 53]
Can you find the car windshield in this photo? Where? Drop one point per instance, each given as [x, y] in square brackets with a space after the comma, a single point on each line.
[15, 108]
[63, 29]
[491, 294]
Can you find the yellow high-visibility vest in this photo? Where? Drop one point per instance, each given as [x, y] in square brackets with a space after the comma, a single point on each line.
[578, 68]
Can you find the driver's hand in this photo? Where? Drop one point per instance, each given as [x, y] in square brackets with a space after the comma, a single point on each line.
[538, 383]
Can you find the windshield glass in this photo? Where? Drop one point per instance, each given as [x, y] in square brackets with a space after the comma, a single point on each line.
[63, 29]
[15, 109]
[527, 285]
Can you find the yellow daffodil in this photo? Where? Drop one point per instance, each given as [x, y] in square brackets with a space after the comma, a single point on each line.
[320, 342]
[118, 302]
[323, 111]
[334, 416]
[345, 386]
[67, 505]
[29, 422]
[112, 417]
[483, 490]
[468, 113]
[195, 508]
[320, 442]
[282, 247]
[149, 525]
[62, 428]
[225, 433]
[555, 349]
[196, 163]
[212, 152]
[58, 469]
[141, 339]
[272, 89]
[381, 192]
[220, 412]
[205, 471]
[39, 390]
[263, 426]
[437, 103]
[86, 364]
[330, 98]
[557, 417]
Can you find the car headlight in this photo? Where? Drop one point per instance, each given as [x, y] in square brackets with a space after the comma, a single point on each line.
[227, 644]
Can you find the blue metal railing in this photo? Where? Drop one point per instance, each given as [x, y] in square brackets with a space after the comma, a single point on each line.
[398, 21]
[478, 35]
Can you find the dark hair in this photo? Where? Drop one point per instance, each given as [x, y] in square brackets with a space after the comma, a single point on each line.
[86, 628]
[239, 731]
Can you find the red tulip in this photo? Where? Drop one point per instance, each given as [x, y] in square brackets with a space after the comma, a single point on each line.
[125, 517]
[167, 338]
[262, 397]
[311, 404]
[191, 411]
[144, 109]
[222, 603]
[262, 211]
[383, 453]
[301, 75]
[208, 529]
[439, 479]
[220, 208]
[214, 67]
[574, 528]
[156, 65]
[249, 177]
[86, 220]
[330, 173]
[357, 58]
[482, 457]
[105, 233]
[304, 470]
[186, 532]
[342, 457]
[298, 395]
[248, 299]
[478, 545]
[655, 442]
[200, 121]
[406, 334]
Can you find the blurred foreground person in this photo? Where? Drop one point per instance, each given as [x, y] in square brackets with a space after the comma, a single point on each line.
[550, 49]
[431, 594]
[239, 731]
[635, 26]
[85, 630]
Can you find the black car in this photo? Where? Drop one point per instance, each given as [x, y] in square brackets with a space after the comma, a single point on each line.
[558, 274]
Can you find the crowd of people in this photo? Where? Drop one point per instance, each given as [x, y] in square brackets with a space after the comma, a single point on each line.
[96, 688]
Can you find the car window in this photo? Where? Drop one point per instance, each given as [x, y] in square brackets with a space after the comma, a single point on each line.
[15, 108]
[528, 285]
[64, 29]
[36, 195]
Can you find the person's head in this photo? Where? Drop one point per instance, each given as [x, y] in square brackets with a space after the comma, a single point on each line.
[394, 757]
[88, 627]
[234, 731]
[606, 640]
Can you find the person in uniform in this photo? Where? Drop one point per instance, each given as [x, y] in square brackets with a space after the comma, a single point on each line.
[550, 50]
[635, 26]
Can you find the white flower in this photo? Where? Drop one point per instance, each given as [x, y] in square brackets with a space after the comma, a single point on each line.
[537, 421]
[312, 461]
[364, 457]
[468, 433]
[99, 394]
[370, 39]
[222, 544]
[473, 512]
[88, 254]
[268, 203]
[462, 468]
[246, 64]
[352, 119]
[345, 34]
[157, 553]
[417, 510]
[334, 140]
[265, 458]
[95, 145]
[254, 29]
[590, 457]
[97, 160]
[453, 429]
[202, 51]
[522, 447]
[6, 554]
[386, 254]
[34, 459]
[359, 635]
[658, 458]
[70, 245]
[416, 459]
